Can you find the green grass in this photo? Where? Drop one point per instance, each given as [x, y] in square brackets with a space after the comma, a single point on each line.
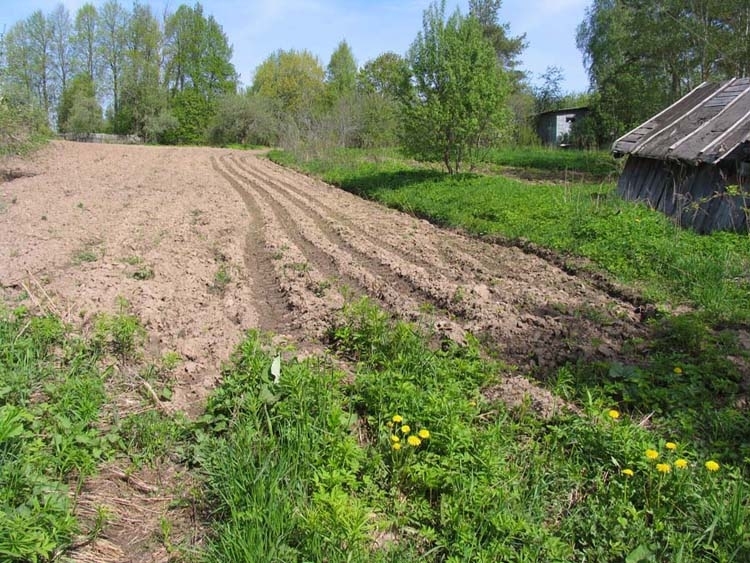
[308, 468]
[593, 163]
[51, 390]
[638, 246]
[635, 245]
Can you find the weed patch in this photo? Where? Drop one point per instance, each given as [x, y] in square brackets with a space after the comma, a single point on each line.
[52, 391]
[409, 462]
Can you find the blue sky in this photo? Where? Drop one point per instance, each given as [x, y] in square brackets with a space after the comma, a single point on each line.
[257, 28]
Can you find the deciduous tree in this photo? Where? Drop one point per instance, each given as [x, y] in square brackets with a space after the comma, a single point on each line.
[293, 79]
[84, 40]
[341, 73]
[460, 90]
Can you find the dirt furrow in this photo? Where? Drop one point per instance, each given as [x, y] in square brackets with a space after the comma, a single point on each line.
[269, 303]
[292, 270]
[434, 287]
[335, 242]
[324, 252]
[381, 233]
[533, 311]
[453, 252]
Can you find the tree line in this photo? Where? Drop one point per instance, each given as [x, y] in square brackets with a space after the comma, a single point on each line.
[457, 91]
[160, 77]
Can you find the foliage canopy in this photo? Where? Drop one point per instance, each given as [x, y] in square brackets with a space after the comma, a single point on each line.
[460, 90]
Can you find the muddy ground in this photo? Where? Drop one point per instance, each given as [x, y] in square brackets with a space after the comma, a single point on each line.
[205, 244]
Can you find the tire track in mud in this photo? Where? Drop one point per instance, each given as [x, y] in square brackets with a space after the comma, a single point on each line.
[531, 310]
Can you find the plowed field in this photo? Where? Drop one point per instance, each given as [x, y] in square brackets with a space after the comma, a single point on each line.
[207, 243]
[203, 244]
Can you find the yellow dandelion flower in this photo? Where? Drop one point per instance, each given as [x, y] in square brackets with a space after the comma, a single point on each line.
[613, 414]
[681, 463]
[389, 424]
[397, 418]
[405, 429]
[396, 447]
[628, 472]
[671, 446]
[663, 467]
[711, 465]
[413, 441]
[677, 370]
[395, 439]
[652, 454]
[424, 434]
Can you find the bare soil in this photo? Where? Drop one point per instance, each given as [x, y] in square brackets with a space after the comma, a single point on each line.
[205, 244]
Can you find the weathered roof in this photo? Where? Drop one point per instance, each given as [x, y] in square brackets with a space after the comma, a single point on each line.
[704, 126]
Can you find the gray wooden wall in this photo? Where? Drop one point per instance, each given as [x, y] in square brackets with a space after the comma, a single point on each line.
[694, 196]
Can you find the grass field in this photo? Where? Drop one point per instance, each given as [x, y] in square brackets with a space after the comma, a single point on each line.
[384, 448]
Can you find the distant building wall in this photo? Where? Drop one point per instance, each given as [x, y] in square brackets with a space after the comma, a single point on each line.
[554, 127]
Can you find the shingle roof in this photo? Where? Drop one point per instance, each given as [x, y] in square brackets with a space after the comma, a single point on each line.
[704, 126]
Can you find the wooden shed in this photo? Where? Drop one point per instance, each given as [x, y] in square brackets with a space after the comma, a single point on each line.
[554, 127]
[692, 160]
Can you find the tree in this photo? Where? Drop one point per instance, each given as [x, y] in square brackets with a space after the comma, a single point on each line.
[141, 95]
[549, 95]
[245, 119]
[508, 49]
[85, 117]
[460, 90]
[61, 30]
[641, 55]
[38, 39]
[80, 91]
[84, 40]
[197, 54]
[384, 86]
[197, 70]
[341, 74]
[293, 80]
[388, 75]
[112, 22]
